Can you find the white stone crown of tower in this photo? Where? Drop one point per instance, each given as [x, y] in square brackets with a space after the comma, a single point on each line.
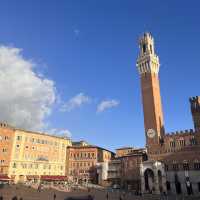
[148, 61]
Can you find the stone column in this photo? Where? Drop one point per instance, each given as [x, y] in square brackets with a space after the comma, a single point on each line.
[156, 182]
[164, 180]
[142, 184]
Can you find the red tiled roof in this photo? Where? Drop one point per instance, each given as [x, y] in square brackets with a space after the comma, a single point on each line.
[53, 178]
[4, 178]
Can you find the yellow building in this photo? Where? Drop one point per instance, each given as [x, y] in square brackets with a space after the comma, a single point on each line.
[31, 154]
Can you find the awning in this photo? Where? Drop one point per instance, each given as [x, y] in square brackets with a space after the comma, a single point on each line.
[4, 178]
[53, 178]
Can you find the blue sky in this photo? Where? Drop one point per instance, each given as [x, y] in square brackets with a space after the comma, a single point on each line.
[90, 47]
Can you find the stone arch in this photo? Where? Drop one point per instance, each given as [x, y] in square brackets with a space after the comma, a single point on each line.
[153, 177]
[149, 180]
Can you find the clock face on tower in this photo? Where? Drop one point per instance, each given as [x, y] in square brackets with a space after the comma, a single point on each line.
[151, 133]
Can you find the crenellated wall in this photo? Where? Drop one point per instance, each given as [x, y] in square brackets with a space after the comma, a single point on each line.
[182, 139]
[182, 132]
[178, 141]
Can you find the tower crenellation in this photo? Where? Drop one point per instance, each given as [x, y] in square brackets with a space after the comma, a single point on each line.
[195, 103]
[195, 110]
[182, 132]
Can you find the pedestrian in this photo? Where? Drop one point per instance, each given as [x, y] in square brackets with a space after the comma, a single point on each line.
[15, 198]
[1, 197]
[107, 196]
[90, 197]
[39, 188]
[54, 196]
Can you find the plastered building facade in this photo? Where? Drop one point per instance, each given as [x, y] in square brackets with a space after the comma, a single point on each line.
[30, 155]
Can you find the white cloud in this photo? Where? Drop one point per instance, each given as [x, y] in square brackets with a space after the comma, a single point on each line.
[107, 104]
[75, 102]
[26, 97]
[76, 32]
[60, 132]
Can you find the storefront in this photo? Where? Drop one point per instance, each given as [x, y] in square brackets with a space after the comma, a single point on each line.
[33, 178]
[53, 179]
[4, 179]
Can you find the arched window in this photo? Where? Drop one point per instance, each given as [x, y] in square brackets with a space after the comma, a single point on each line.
[172, 143]
[14, 165]
[144, 48]
[186, 166]
[175, 166]
[197, 165]
[193, 141]
[182, 142]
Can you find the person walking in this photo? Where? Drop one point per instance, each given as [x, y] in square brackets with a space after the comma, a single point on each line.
[39, 188]
[107, 196]
[15, 198]
[54, 196]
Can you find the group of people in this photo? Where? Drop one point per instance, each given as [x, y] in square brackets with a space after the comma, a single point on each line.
[121, 196]
[14, 198]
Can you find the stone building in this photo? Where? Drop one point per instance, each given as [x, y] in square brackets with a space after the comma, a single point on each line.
[80, 143]
[124, 169]
[173, 158]
[124, 151]
[83, 160]
[29, 155]
[130, 165]
[114, 172]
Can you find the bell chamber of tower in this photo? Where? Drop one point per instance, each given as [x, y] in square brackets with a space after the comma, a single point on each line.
[148, 66]
[147, 61]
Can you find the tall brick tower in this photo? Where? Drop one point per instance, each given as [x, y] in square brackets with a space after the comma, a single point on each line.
[195, 110]
[148, 67]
